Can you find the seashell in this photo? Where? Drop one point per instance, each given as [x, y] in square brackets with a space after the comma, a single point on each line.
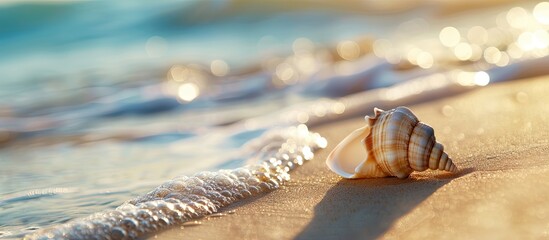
[394, 143]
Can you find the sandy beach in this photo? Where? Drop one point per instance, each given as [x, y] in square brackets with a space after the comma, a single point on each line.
[496, 135]
[198, 120]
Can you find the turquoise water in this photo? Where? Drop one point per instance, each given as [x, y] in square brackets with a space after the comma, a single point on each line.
[101, 102]
[78, 77]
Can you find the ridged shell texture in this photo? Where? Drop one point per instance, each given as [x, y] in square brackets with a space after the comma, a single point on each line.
[396, 144]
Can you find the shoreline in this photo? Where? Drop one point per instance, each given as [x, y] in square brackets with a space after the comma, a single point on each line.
[496, 136]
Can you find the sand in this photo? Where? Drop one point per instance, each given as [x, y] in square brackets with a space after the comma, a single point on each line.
[499, 137]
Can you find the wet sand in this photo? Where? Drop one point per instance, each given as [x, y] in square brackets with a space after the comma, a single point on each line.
[498, 136]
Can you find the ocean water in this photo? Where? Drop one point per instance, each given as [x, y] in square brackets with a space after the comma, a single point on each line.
[113, 112]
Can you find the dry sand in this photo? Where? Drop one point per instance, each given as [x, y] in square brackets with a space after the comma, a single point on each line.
[497, 135]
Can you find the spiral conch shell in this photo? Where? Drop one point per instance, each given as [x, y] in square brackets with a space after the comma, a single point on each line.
[395, 143]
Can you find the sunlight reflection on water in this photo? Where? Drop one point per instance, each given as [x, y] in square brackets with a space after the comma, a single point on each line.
[91, 120]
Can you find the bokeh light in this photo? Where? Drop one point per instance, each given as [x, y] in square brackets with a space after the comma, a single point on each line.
[465, 78]
[219, 68]
[477, 35]
[482, 78]
[286, 73]
[425, 60]
[179, 72]
[348, 50]
[541, 12]
[517, 17]
[449, 36]
[492, 55]
[463, 51]
[188, 91]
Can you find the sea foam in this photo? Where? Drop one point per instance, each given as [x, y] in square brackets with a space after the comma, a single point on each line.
[185, 198]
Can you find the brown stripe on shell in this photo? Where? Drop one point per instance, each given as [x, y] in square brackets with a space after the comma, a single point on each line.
[421, 142]
[397, 144]
[442, 161]
[391, 134]
[434, 158]
[448, 164]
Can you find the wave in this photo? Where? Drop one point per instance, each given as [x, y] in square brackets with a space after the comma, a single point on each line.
[184, 198]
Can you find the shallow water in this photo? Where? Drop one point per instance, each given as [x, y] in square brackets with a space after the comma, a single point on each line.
[102, 103]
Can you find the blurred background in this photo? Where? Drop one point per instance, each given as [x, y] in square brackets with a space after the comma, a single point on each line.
[101, 101]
